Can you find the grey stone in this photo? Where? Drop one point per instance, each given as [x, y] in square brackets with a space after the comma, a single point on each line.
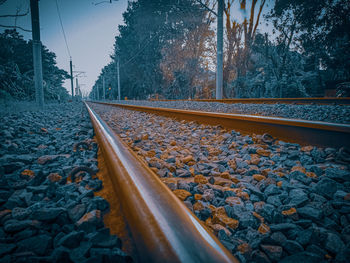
[47, 214]
[271, 190]
[333, 243]
[326, 187]
[273, 252]
[305, 257]
[282, 227]
[297, 175]
[292, 247]
[310, 212]
[6, 248]
[338, 174]
[72, 240]
[37, 244]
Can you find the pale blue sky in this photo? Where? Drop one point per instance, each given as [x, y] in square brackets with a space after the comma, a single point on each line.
[90, 31]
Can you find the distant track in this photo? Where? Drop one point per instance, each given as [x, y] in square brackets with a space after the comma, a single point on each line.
[163, 229]
[323, 101]
[304, 132]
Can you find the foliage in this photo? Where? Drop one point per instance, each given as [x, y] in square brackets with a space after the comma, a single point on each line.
[16, 69]
[161, 49]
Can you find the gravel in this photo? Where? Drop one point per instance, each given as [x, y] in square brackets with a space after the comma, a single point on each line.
[327, 113]
[266, 202]
[48, 210]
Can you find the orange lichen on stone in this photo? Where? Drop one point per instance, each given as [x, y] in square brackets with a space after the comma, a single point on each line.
[233, 200]
[311, 175]
[200, 179]
[198, 206]
[244, 248]
[280, 174]
[254, 159]
[289, 212]
[187, 159]
[225, 175]
[182, 194]
[44, 130]
[298, 168]
[258, 217]
[279, 184]
[263, 152]
[218, 227]
[258, 177]
[145, 137]
[263, 228]
[265, 172]
[173, 143]
[235, 180]
[197, 197]
[225, 221]
[191, 171]
[54, 177]
[307, 148]
[151, 153]
[232, 164]
[28, 172]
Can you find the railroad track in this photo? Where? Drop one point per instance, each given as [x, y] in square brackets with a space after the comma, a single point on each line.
[304, 132]
[322, 101]
[163, 229]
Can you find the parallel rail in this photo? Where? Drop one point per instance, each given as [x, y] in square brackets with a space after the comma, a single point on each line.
[163, 229]
[323, 101]
[304, 132]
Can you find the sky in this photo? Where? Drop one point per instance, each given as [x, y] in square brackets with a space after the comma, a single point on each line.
[90, 31]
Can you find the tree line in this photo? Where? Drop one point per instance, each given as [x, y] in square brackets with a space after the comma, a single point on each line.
[167, 48]
[16, 70]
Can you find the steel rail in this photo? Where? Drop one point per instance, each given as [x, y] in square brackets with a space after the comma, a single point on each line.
[163, 228]
[323, 101]
[304, 132]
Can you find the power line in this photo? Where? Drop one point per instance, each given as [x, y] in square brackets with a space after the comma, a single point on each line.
[64, 34]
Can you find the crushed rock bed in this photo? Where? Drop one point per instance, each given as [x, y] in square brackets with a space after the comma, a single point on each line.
[49, 213]
[265, 201]
[327, 113]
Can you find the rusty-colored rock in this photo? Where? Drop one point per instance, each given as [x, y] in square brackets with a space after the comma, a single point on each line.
[263, 228]
[182, 194]
[28, 173]
[197, 197]
[298, 168]
[258, 177]
[225, 175]
[198, 206]
[263, 152]
[233, 200]
[311, 175]
[244, 248]
[289, 212]
[279, 184]
[54, 177]
[200, 179]
[187, 159]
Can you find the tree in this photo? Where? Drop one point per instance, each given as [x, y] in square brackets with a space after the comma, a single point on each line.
[16, 69]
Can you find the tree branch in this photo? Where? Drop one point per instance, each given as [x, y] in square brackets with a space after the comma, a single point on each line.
[15, 27]
[206, 7]
[16, 15]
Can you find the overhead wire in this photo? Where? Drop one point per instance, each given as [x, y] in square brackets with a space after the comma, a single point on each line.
[64, 34]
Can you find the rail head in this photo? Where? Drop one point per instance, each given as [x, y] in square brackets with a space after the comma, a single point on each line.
[323, 134]
[164, 229]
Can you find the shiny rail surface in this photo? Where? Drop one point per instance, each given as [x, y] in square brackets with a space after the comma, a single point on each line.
[323, 101]
[304, 132]
[163, 228]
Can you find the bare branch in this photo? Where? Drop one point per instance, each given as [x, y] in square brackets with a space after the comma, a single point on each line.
[16, 15]
[15, 27]
[206, 7]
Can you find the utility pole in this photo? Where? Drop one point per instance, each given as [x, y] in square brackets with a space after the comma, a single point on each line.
[71, 77]
[219, 55]
[76, 87]
[37, 60]
[103, 88]
[119, 98]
